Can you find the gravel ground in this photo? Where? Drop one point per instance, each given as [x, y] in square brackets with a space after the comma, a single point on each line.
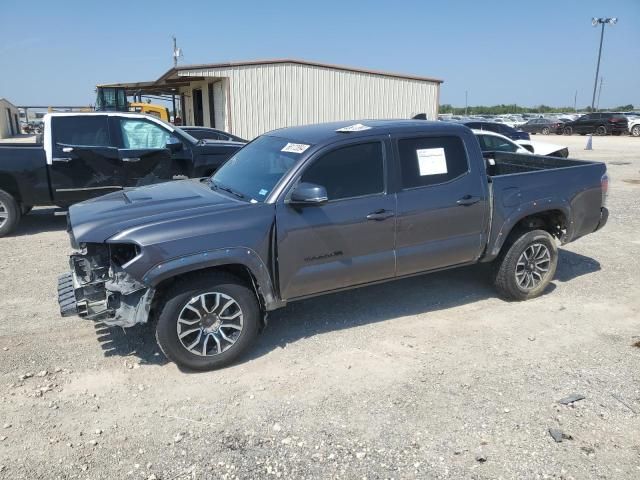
[430, 377]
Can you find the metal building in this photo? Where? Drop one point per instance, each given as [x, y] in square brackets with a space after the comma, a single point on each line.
[250, 98]
[9, 123]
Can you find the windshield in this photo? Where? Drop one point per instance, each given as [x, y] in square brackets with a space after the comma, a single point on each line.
[252, 173]
[173, 127]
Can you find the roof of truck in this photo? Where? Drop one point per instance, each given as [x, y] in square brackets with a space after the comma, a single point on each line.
[327, 132]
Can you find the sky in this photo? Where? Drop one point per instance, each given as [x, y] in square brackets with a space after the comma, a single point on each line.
[499, 51]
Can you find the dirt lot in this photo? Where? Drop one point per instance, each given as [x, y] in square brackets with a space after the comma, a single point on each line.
[431, 377]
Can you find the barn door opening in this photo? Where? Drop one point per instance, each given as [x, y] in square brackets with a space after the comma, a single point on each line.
[198, 108]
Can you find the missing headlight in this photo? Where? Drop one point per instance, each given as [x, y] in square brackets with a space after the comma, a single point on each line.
[122, 253]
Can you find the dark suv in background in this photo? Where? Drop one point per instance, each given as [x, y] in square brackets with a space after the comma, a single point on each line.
[598, 123]
[505, 130]
[544, 126]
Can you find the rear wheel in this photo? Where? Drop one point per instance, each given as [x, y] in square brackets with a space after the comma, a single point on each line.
[546, 130]
[568, 131]
[9, 213]
[207, 321]
[526, 266]
[635, 131]
[601, 130]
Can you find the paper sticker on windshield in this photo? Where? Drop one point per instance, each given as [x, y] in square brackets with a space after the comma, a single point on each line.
[294, 147]
[358, 127]
[263, 192]
[432, 161]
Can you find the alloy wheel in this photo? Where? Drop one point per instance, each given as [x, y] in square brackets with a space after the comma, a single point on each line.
[4, 214]
[635, 131]
[601, 130]
[210, 323]
[533, 266]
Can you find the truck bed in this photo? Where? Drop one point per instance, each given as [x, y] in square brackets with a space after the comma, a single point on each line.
[523, 184]
[510, 163]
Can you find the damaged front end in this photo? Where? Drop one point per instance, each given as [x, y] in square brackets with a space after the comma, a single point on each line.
[99, 288]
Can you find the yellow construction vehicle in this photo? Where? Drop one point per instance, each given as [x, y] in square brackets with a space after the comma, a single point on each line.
[114, 99]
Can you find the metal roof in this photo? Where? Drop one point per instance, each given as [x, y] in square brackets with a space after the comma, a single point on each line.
[171, 79]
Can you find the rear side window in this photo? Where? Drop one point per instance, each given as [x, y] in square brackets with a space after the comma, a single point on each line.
[351, 171]
[86, 130]
[431, 160]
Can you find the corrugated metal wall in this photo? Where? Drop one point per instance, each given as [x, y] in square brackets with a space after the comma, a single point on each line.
[263, 97]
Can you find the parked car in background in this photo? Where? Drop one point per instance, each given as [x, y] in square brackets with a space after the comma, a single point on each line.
[601, 123]
[207, 133]
[494, 142]
[544, 126]
[307, 211]
[85, 155]
[505, 121]
[634, 127]
[500, 128]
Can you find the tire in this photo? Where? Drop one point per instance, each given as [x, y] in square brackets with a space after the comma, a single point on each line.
[9, 213]
[183, 301]
[601, 130]
[546, 131]
[568, 131]
[635, 131]
[511, 279]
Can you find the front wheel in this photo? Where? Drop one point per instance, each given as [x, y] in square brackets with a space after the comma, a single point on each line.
[207, 321]
[635, 131]
[546, 130]
[9, 213]
[568, 130]
[601, 130]
[526, 266]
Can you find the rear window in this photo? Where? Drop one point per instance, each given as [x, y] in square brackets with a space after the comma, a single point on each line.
[86, 130]
[431, 160]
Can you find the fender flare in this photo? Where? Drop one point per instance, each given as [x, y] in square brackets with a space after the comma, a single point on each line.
[526, 210]
[216, 258]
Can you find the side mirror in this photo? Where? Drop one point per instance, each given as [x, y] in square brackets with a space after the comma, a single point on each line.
[309, 194]
[174, 147]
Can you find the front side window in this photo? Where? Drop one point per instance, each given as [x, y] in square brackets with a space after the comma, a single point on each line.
[140, 134]
[431, 160]
[85, 131]
[347, 172]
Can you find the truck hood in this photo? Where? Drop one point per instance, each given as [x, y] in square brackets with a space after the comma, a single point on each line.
[101, 218]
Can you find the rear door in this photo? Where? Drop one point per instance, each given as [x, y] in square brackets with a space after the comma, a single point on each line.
[350, 239]
[143, 150]
[442, 204]
[84, 162]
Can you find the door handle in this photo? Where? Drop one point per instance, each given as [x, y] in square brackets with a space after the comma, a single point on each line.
[131, 159]
[468, 200]
[380, 215]
[61, 159]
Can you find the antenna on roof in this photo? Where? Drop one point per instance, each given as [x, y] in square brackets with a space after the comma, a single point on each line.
[177, 53]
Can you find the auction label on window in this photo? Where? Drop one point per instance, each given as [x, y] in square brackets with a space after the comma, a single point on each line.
[358, 127]
[294, 147]
[432, 161]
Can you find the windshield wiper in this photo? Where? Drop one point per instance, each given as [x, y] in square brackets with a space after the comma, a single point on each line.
[228, 190]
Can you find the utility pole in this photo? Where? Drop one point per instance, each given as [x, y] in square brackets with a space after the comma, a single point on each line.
[466, 103]
[177, 52]
[575, 102]
[595, 22]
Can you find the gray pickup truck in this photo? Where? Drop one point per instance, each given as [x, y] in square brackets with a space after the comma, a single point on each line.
[311, 210]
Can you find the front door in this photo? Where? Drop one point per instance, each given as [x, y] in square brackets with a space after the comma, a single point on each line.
[143, 151]
[348, 240]
[442, 205]
[84, 162]
[198, 108]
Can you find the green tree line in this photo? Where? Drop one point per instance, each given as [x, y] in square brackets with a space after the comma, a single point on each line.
[513, 108]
